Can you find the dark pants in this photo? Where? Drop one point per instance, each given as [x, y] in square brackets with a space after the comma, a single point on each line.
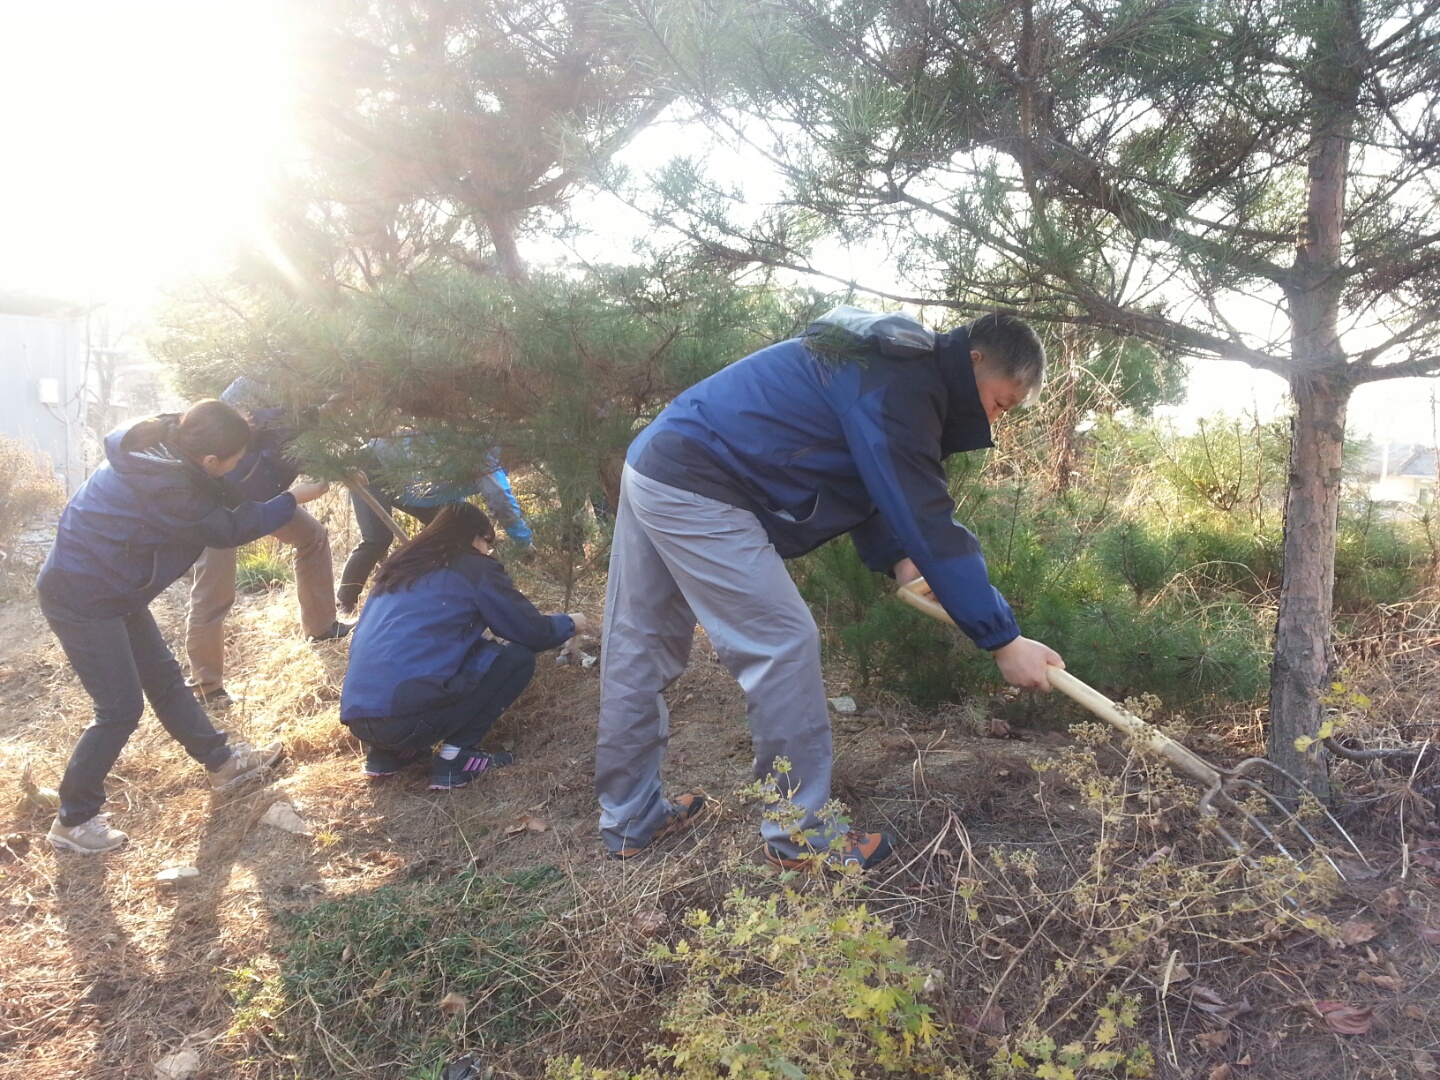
[463, 722]
[121, 662]
[375, 540]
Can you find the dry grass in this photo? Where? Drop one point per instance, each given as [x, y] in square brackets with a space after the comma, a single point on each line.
[1032, 893]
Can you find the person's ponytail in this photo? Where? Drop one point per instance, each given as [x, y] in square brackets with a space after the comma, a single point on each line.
[207, 428]
[144, 434]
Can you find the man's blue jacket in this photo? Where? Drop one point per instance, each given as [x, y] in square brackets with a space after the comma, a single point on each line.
[843, 430]
[421, 647]
[136, 525]
[266, 469]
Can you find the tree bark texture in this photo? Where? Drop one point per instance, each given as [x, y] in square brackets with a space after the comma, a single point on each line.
[1321, 388]
[1304, 657]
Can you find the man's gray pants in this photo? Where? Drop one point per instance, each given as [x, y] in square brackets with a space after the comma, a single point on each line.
[678, 557]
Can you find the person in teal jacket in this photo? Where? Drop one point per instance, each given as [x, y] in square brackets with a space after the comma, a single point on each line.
[421, 500]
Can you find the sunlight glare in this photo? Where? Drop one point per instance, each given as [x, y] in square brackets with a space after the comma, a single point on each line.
[139, 139]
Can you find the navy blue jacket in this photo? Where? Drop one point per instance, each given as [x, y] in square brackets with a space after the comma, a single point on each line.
[137, 524]
[265, 470]
[819, 447]
[421, 647]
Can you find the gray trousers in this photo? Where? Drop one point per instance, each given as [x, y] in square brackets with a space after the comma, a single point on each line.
[677, 557]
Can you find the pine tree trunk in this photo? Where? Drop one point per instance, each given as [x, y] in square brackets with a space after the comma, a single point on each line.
[1304, 656]
[502, 226]
[1304, 653]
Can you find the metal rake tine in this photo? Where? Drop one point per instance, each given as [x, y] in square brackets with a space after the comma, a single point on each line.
[1290, 779]
[1209, 813]
[1269, 833]
[1176, 755]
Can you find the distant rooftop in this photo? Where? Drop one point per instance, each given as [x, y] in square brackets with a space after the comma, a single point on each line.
[22, 303]
[1405, 459]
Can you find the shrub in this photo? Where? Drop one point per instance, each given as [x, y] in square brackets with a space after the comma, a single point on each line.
[1132, 553]
[784, 987]
[27, 490]
[1156, 576]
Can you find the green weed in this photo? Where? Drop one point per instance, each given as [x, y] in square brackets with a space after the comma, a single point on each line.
[363, 978]
[261, 566]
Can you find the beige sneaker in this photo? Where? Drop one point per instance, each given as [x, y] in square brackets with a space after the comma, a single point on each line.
[245, 763]
[91, 837]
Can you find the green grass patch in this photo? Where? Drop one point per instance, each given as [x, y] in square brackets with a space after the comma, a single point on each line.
[363, 978]
[261, 565]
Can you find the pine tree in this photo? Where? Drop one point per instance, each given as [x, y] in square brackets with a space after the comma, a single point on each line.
[1153, 168]
[442, 129]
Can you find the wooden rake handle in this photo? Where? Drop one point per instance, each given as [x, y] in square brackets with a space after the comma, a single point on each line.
[361, 489]
[1146, 736]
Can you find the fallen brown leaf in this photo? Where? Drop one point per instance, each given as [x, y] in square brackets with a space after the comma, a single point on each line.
[1174, 974]
[989, 1022]
[1220, 1072]
[1354, 932]
[1392, 898]
[1384, 982]
[452, 1004]
[649, 921]
[1426, 1066]
[465, 1067]
[1346, 1019]
[1211, 1041]
[1158, 854]
[999, 729]
[1414, 1012]
[1430, 934]
[1356, 869]
[527, 823]
[1212, 1004]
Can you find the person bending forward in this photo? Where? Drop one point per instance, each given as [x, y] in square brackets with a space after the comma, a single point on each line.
[843, 429]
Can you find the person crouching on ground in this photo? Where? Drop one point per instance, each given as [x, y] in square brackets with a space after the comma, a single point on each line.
[843, 429]
[135, 526]
[422, 670]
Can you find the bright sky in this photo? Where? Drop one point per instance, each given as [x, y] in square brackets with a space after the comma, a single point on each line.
[139, 137]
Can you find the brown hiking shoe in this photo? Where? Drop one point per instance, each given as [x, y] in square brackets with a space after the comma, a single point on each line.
[687, 809]
[862, 850]
[245, 763]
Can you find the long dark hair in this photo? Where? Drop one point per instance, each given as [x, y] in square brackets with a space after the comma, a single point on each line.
[434, 547]
[207, 427]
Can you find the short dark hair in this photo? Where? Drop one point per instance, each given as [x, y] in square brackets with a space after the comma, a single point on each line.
[1012, 349]
[449, 535]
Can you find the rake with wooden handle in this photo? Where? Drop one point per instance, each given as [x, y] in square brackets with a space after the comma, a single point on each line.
[356, 483]
[1224, 788]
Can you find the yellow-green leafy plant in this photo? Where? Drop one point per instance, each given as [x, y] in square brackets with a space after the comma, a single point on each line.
[1108, 1051]
[789, 987]
[776, 794]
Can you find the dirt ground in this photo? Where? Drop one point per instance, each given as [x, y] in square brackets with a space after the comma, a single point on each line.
[110, 969]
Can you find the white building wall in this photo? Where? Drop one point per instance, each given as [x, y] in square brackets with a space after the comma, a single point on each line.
[43, 357]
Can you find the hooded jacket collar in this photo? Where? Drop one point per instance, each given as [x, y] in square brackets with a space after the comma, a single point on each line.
[157, 460]
[966, 425]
